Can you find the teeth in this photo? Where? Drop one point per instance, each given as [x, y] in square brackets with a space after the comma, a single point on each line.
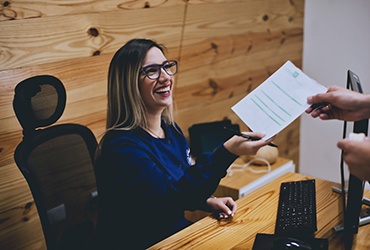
[165, 89]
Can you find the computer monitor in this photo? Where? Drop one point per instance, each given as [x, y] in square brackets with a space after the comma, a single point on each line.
[352, 201]
[205, 137]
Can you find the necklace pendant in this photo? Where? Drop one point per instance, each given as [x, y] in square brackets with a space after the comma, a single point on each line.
[159, 136]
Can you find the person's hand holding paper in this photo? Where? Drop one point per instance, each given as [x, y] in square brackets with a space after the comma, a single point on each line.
[278, 101]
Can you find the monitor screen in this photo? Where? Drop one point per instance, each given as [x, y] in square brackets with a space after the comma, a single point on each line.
[352, 202]
[205, 137]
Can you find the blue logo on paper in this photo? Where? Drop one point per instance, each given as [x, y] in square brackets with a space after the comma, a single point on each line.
[295, 74]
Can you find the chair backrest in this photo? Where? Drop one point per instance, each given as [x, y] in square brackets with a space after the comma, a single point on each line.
[39, 101]
[57, 163]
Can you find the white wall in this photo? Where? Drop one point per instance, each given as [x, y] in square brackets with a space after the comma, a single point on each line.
[336, 38]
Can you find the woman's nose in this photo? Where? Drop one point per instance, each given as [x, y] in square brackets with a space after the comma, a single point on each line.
[164, 75]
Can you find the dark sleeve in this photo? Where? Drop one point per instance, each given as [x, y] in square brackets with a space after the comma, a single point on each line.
[132, 167]
[210, 168]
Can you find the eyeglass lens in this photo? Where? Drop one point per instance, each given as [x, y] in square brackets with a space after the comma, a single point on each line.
[154, 71]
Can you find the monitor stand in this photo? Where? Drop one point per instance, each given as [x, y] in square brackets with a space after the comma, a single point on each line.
[362, 220]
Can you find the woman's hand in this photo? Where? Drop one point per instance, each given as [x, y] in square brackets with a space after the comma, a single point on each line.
[239, 145]
[224, 206]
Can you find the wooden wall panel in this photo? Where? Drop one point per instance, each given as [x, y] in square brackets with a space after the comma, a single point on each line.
[24, 9]
[225, 48]
[231, 52]
[83, 35]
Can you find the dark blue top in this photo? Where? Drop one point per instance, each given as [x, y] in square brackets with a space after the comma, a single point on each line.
[146, 183]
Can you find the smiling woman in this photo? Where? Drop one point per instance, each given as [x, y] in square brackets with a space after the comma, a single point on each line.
[143, 163]
[155, 87]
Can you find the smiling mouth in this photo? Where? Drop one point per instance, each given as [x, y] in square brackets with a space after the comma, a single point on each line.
[163, 90]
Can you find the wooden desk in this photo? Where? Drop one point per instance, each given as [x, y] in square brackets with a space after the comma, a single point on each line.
[242, 183]
[256, 214]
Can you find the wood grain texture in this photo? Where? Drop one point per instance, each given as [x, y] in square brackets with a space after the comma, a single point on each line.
[228, 54]
[84, 35]
[232, 185]
[225, 49]
[25, 9]
[256, 214]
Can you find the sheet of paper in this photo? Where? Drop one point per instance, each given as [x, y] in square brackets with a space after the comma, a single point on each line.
[278, 101]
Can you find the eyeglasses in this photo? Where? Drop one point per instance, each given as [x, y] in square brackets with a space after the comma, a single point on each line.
[153, 71]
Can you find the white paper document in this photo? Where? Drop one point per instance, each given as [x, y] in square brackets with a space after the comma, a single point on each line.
[278, 101]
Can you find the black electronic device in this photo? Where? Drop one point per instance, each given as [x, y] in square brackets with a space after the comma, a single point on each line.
[275, 242]
[205, 137]
[284, 243]
[296, 214]
[352, 199]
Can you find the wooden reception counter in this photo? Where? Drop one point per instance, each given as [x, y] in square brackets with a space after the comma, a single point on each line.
[257, 213]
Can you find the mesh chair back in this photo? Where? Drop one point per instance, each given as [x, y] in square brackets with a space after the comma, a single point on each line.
[57, 162]
[39, 101]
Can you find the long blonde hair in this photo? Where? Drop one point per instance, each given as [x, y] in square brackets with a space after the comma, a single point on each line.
[126, 109]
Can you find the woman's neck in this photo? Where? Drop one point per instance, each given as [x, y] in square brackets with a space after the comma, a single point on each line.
[154, 126]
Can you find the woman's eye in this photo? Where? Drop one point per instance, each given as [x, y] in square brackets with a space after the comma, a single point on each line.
[169, 65]
[151, 70]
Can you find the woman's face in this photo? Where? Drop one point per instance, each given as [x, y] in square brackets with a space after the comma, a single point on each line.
[156, 94]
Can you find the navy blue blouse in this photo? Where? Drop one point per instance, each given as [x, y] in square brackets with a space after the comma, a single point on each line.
[146, 183]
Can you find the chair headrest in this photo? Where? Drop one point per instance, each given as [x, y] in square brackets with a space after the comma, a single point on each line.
[39, 101]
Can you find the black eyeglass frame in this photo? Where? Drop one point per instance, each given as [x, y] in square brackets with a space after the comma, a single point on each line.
[159, 67]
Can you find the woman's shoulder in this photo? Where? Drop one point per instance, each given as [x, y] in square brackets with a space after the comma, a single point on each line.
[119, 136]
[117, 133]
[174, 128]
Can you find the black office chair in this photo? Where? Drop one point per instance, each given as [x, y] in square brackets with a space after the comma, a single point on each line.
[57, 163]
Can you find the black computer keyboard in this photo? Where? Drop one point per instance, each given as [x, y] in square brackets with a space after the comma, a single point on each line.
[296, 216]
